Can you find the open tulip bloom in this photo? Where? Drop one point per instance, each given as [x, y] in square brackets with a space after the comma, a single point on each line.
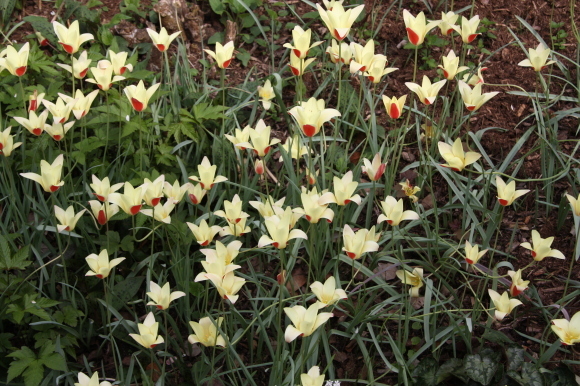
[61, 109]
[518, 284]
[161, 297]
[153, 190]
[103, 75]
[473, 98]
[414, 279]
[269, 207]
[374, 170]
[160, 213]
[468, 28]
[451, 66]
[301, 42]
[362, 56]
[447, 25]
[70, 38]
[82, 104]
[394, 106]
[162, 40]
[417, 27]
[223, 54]
[203, 233]
[410, 190]
[538, 58]
[103, 188]
[311, 115]
[338, 21]
[427, 92]
[84, 380]
[339, 52]
[378, 69]
[260, 139]
[240, 137]
[315, 205]
[35, 123]
[118, 62]
[206, 332]
[344, 189]
[279, 228]
[567, 330]
[472, 253]
[541, 247]
[139, 96]
[305, 321]
[227, 254]
[506, 194]
[196, 193]
[574, 204]
[207, 178]
[456, 158]
[266, 94]
[57, 130]
[313, 377]
[49, 177]
[393, 212]
[67, 218]
[7, 144]
[175, 192]
[228, 285]
[503, 304]
[297, 65]
[80, 66]
[100, 265]
[327, 293]
[359, 242]
[103, 211]
[148, 336]
[16, 62]
[131, 200]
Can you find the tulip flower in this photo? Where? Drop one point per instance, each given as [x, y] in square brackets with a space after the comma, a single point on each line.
[160, 212]
[228, 286]
[266, 94]
[34, 100]
[474, 79]
[279, 228]
[316, 205]
[518, 285]
[538, 58]
[339, 52]
[362, 56]
[329, 4]
[451, 66]
[196, 193]
[305, 321]
[223, 54]
[301, 42]
[84, 380]
[49, 177]
[394, 106]
[474, 99]
[506, 194]
[224, 253]
[80, 66]
[57, 130]
[16, 62]
[147, 336]
[260, 137]
[311, 177]
[103, 211]
[269, 207]
[447, 25]
[414, 279]
[259, 167]
[378, 69]
[417, 27]
[162, 40]
[456, 158]
[313, 377]
[568, 330]
[427, 92]
[297, 65]
[103, 188]
[338, 21]
[203, 233]
[235, 229]
[233, 210]
[70, 38]
[574, 204]
[344, 188]
[541, 247]
[472, 253]
[410, 190]
[100, 265]
[393, 212]
[503, 304]
[311, 115]
[175, 192]
[215, 264]
[61, 109]
[240, 137]
[294, 147]
[161, 297]
[468, 28]
[131, 200]
[139, 96]
[327, 293]
[206, 333]
[374, 170]
[363, 241]
[118, 62]
[67, 218]
[207, 178]
[153, 190]
[82, 104]
[103, 75]
[7, 144]
[42, 41]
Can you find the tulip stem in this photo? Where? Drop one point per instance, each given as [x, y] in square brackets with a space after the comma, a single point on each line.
[108, 124]
[371, 198]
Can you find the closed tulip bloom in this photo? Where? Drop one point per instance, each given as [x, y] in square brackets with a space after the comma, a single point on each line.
[473, 98]
[506, 194]
[103, 211]
[207, 178]
[362, 56]
[279, 228]
[233, 210]
[61, 109]
[80, 66]
[223, 54]
[297, 65]
[100, 265]
[338, 21]
[7, 144]
[327, 293]
[227, 286]
[468, 29]
[313, 377]
[344, 188]
[139, 96]
[175, 192]
[574, 204]
[260, 139]
[196, 193]
[266, 94]
[451, 66]
[259, 167]
[162, 40]
[57, 130]
[359, 243]
[417, 27]
[447, 25]
[410, 190]
[567, 330]
[456, 158]
[294, 147]
[427, 92]
[160, 213]
[473, 79]
[118, 62]
[42, 41]
[472, 253]
[394, 106]
[161, 297]
[49, 177]
[305, 321]
[35, 123]
[206, 333]
[269, 207]
[224, 253]
[374, 170]
[148, 336]
[103, 188]
[378, 69]
[503, 304]
[70, 38]
[311, 115]
[16, 62]
[537, 58]
[316, 205]
[518, 284]
[103, 75]
[67, 218]
[301, 42]
[414, 279]
[541, 247]
[203, 233]
[339, 52]
[34, 100]
[131, 200]
[393, 212]
[82, 103]
[240, 137]
[153, 190]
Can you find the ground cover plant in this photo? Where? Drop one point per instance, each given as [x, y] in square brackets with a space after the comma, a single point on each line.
[172, 213]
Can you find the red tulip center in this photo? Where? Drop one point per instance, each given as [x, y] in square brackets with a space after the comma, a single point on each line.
[413, 37]
[99, 197]
[295, 71]
[99, 276]
[137, 105]
[57, 137]
[337, 36]
[363, 68]
[160, 47]
[159, 307]
[155, 201]
[275, 244]
[471, 38]
[204, 243]
[193, 199]
[102, 217]
[68, 48]
[469, 261]
[346, 202]
[309, 130]
[122, 70]
[450, 30]
[471, 108]
[390, 222]
[226, 63]
[503, 202]
[135, 209]
[33, 105]
[394, 111]
[37, 131]
[54, 188]
[308, 217]
[83, 72]
[1, 146]
[352, 255]
[445, 74]
[534, 254]
[426, 101]
[20, 71]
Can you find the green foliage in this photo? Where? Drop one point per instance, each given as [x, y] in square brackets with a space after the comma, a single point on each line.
[558, 35]
[31, 366]
[17, 260]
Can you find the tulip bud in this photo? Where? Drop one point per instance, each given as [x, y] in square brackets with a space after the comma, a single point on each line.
[259, 167]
